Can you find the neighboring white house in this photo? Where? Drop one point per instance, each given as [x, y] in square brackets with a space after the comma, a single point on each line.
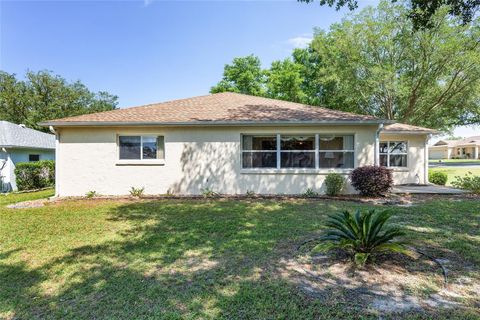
[230, 143]
[21, 144]
[468, 148]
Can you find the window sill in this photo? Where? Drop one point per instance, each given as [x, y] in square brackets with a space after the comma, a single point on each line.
[296, 171]
[399, 169]
[140, 163]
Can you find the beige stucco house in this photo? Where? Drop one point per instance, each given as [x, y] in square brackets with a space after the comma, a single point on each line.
[468, 148]
[229, 143]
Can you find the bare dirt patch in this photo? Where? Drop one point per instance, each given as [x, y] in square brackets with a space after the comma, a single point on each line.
[28, 204]
[394, 283]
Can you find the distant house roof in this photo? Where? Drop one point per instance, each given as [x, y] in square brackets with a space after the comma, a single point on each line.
[14, 135]
[470, 141]
[406, 128]
[218, 109]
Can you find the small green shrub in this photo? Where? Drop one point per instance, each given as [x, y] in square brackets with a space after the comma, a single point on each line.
[362, 234]
[91, 194]
[372, 180]
[438, 177]
[334, 183]
[35, 175]
[208, 193]
[468, 182]
[137, 192]
[309, 193]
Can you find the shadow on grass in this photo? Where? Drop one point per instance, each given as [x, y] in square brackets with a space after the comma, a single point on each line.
[200, 259]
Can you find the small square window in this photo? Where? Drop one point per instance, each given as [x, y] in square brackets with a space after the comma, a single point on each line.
[393, 153]
[141, 147]
[33, 157]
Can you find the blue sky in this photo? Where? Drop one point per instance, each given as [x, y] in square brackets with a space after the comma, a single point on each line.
[149, 51]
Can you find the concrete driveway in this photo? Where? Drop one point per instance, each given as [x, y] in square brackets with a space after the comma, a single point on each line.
[473, 164]
[427, 189]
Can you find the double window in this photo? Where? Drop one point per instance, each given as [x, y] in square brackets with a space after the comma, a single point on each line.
[297, 151]
[141, 147]
[393, 153]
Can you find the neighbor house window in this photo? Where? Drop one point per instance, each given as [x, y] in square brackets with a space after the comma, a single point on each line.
[33, 157]
[141, 147]
[393, 153]
[297, 151]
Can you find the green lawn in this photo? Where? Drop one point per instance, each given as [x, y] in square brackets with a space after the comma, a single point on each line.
[452, 172]
[6, 199]
[195, 259]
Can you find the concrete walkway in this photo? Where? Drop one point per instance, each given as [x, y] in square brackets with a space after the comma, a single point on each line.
[428, 189]
[474, 164]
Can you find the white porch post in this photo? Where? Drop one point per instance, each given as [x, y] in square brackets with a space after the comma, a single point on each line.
[425, 160]
[449, 152]
[57, 165]
[475, 154]
[377, 145]
[279, 154]
[57, 158]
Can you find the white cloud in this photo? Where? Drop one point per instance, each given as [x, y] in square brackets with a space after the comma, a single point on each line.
[301, 41]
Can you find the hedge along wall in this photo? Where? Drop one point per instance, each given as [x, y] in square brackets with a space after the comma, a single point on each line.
[35, 175]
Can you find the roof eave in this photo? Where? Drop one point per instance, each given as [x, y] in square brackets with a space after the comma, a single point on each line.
[12, 146]
[207, 123]
[407, 132]
[467, 145]
[441, 146]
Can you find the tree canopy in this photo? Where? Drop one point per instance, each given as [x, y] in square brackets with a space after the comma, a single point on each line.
[244, 75]
[421, 11]
[43, 96]
[376, 62]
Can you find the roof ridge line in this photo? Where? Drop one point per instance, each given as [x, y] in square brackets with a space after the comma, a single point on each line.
[135, 107]
[302, 104]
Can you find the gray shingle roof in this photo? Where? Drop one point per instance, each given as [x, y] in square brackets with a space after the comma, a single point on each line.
[13, 135]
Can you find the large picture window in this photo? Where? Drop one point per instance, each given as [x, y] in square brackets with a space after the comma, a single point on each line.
[393, 153]
[141, 147]
[297, 151]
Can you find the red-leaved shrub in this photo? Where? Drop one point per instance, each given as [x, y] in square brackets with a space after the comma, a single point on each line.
[372, 180]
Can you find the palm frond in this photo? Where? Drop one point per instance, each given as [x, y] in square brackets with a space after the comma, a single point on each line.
[363, 233]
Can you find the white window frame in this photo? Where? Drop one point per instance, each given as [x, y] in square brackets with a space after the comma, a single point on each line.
[316, 151]
[388, 153]
[140, 161]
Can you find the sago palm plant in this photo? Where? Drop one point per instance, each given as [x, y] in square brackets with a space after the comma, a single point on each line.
[363, 234]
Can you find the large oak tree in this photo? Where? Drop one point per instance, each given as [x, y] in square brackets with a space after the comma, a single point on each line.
[43, 96]
[420, 11]
[376, 62]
